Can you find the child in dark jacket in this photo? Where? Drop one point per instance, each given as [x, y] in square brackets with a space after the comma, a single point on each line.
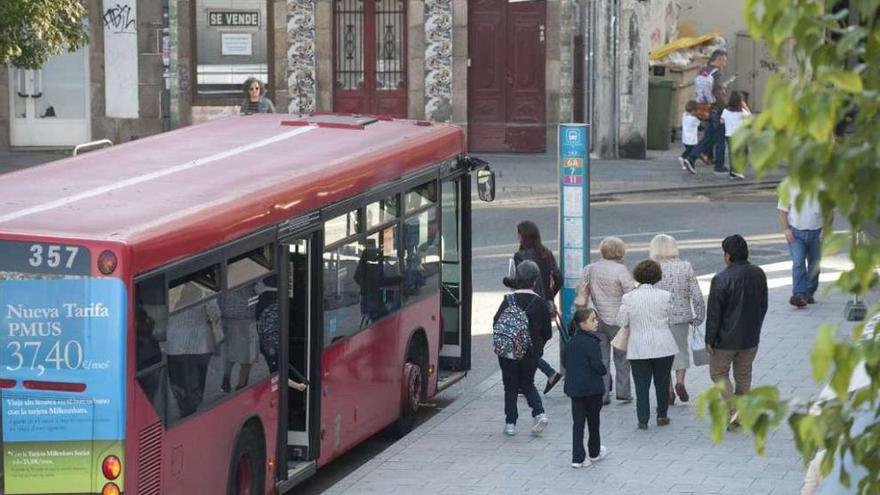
[583, 384]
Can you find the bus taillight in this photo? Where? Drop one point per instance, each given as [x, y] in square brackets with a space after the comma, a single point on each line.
[107, 262]
[7, 383]
[110, 489]
[111, 467]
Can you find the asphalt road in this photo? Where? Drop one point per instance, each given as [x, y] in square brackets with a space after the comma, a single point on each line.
[698, 222]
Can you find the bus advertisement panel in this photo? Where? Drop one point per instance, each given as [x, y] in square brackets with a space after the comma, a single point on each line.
[62, 357]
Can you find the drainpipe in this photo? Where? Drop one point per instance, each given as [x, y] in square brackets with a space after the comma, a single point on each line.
[615, 71]
[165, 95]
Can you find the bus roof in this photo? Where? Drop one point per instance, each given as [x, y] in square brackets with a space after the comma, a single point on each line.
[181, 192]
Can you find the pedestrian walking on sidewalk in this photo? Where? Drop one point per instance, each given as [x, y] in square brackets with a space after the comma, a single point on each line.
[710, 90]
[550, 281]
[736, 309]
[585, 387]
[690, 130]
[803, 232]
[518, 372]
[603, 284]
[687, 308]
[651, 347]
[732, 117]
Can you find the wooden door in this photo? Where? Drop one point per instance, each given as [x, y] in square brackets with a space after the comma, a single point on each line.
[506, 80]
[369, 57]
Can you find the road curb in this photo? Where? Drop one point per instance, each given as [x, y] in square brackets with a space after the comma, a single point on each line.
[602, 195]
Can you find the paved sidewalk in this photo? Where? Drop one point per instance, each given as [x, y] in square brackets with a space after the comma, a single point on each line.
[461, 450]
[660, 172]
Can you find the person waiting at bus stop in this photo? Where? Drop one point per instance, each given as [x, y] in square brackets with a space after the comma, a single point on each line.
[518, 375]
[548, 285]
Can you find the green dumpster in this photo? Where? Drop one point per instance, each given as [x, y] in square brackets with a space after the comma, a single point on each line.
[660, 96]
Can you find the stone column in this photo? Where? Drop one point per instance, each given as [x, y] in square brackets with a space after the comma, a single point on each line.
[604, 118]
[301, 56]
[633, 80]
[438, 70]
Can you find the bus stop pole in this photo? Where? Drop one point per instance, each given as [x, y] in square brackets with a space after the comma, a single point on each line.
[573, 169]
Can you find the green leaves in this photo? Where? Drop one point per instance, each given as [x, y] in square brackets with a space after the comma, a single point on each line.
[846, 80]
[823, 353]
[821, 119]
[31, 31]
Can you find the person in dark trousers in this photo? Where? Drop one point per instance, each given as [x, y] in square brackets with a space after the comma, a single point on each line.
[713, 139]
[736, 309]
[518, 375]
[549, 281]
[651, 347]
[584, 385]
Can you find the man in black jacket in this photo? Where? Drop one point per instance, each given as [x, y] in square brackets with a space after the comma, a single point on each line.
[736, 309]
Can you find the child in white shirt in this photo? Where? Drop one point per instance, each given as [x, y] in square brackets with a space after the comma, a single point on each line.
[732, 118]
[690, 125]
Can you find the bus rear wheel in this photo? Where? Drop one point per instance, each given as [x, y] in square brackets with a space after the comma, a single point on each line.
[246, 475]
[412, 390]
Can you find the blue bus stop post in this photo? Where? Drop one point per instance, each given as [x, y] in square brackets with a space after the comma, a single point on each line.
[574, 213]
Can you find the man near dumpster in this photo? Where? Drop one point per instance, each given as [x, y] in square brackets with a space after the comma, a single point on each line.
[735, 313]
[710, 90]
[802, 227]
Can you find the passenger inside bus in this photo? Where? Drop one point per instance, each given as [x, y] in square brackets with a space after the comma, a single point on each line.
[379, 283]
[242, 342]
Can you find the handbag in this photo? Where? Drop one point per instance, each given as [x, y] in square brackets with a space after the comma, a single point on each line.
[698, 347]
[621, 340]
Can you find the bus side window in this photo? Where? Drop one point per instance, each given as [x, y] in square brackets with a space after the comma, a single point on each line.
[421, 255]
[193, 336]
[151, 324]
[343, 311]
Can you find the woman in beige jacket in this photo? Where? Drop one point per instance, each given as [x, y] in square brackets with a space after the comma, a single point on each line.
[607, 280]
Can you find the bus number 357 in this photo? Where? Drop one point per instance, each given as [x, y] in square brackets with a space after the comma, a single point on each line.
[68, 355]
[52, 255]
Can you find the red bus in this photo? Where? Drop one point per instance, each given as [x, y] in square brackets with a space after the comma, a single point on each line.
[163, 302]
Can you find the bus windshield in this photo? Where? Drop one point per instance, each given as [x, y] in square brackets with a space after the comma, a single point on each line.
[62, 379]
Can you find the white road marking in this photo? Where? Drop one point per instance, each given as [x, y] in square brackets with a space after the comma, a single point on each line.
[153, 175]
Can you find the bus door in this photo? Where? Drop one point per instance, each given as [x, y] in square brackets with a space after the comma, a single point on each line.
[301, 346]
[455, 352]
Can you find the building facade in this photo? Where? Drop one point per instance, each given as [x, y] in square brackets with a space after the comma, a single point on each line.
[503, 69]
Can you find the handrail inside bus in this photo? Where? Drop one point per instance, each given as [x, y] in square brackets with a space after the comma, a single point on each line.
[91, 144]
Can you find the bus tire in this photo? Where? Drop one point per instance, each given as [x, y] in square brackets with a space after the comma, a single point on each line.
[413, 387]
[247, 465]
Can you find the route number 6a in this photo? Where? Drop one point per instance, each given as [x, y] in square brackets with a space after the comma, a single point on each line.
[52, 255]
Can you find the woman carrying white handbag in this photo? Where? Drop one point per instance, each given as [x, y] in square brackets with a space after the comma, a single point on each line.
[687, 307]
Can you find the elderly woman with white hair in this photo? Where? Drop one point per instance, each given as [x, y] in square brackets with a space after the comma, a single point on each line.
[603, 284]
[686, 307]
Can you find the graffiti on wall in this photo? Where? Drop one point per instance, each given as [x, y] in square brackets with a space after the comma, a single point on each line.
[120, 18]
[438, 60]
[301, 55]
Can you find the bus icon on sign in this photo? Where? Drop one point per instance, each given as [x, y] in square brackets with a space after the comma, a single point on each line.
[573, 136]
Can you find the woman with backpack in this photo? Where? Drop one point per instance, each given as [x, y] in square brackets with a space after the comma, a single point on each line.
[549, 281]
[520, 328]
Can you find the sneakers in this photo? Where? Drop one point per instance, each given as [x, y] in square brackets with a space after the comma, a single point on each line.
[736, 175]
[603, 453]
[662, 421]
[578, 465]
[551, 382]
[681, 161]
[721, 172]
[510, 429]
[811, 299]
[689, 166]
[798, 301]
[539, 425]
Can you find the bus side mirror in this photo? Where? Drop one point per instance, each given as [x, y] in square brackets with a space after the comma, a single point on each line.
[486, 184]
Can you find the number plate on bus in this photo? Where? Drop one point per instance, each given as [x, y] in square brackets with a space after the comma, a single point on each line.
[38, 257]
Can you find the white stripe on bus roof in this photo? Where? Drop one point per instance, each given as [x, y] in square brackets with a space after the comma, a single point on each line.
[153, 175]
